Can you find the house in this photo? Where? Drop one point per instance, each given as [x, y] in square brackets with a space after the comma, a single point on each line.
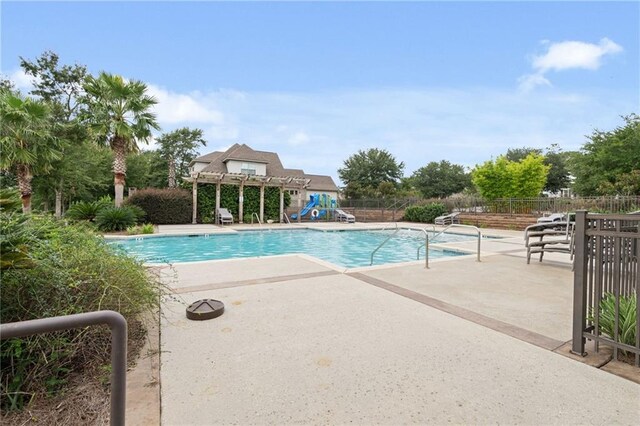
[243, 166]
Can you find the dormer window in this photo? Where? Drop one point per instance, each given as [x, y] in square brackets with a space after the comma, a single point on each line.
[248, 169]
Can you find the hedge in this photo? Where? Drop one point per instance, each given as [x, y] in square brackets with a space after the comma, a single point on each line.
[426, 213]
[229, 199]
[164, 206]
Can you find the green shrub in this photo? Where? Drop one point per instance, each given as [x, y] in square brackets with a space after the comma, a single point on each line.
[426, 213]
[138, 212]
[147, 228]
[163, 206]
[115, 219]
[627, 315]
[72, 270]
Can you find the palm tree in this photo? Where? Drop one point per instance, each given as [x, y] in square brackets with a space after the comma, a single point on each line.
[179, 148]
[118, 113]
[26, 140]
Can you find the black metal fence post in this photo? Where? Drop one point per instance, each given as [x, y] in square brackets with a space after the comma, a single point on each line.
[580, 284]
[118, 326]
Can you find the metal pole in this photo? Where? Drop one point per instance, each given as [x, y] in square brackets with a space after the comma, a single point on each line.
[580, 284]
[118, 326]
[426, 250]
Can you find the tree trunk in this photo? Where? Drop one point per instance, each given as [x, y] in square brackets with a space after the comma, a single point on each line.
[119, 168]
[172, 173]
[24, 177]
[58, 203]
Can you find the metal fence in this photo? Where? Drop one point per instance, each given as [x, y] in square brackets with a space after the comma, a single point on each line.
[511, 206]
[607, 283]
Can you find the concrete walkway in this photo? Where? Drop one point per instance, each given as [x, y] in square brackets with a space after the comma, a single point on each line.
[303, 342]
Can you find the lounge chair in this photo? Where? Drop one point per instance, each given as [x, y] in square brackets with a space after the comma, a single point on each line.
[224, 216]
[554, 237]
[447, 219]
[555, 217]
[343, 216]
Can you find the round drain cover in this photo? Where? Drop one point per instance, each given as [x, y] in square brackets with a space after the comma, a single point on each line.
[205, 309]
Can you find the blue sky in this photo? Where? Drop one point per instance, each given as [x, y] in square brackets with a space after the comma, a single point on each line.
[315, 82]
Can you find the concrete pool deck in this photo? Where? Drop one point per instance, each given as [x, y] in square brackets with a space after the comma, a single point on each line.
[302, 341]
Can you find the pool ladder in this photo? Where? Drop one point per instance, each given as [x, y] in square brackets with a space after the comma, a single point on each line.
[257, 217]
[453, 225]
[384, 242]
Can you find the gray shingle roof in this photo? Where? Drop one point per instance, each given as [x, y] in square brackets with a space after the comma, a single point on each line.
[241, 152]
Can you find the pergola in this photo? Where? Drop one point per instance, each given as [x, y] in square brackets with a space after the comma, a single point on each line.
[242, 180]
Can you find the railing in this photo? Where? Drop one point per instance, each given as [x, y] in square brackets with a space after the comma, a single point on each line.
[606, 273]
[426, 248]
[286, 217]
[118, 326]
[384, 242]
[257, 217]
[458, 225]
[534, 206]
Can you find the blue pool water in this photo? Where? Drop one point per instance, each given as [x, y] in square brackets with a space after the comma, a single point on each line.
[346, 248]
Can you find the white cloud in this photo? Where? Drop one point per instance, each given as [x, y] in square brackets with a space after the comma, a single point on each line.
[575, 54]
[21, 80]
[566, 55]
[298, 138]
[528, 82]
[174, 108]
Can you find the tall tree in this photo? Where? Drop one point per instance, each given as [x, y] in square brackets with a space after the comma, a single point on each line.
[178, 148]
[26, 141]
[61, 87]
[558, 176]
[509, 179]
[440, 179]
[119, 114]
[366, 170]
[608, 162]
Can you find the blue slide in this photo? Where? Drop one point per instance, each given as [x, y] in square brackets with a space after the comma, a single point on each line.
[311, 204]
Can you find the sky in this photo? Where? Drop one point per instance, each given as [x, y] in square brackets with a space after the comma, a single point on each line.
[318, 81]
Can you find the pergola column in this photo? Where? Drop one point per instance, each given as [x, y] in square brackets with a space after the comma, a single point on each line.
[282, 204]
[217, 203]
[194, 192]
[241, 202]
[299, 204]
[262, 202]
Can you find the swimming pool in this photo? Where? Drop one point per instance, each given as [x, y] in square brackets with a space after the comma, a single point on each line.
[349, 249]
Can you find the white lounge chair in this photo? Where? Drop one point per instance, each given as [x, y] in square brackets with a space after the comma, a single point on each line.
[555, 217]
[447, 219]
[343, 216]
[224, 216]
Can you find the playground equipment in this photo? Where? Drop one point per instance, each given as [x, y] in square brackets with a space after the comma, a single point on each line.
[318, 207]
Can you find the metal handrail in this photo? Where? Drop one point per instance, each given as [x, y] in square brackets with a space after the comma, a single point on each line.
[118, 326]
[426, 247]
[286, 217]
[458, 225]
[257, 217]
[384, 242]
[387, 227]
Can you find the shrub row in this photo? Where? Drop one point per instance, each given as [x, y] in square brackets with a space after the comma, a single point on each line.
[163, 206]
[426, 213]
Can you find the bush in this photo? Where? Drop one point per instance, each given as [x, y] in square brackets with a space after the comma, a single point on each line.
[627, 315]
[163, 206]
[115, 219]
[71, 270]
[147, 228]
[84, 210]
[426, 213]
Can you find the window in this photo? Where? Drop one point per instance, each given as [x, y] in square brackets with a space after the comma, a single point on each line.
[292, 191]
[248, 169]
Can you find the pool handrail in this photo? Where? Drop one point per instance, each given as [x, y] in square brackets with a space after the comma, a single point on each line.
[384, 242]
[257, 217]
[458, 225]
[286, 217]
